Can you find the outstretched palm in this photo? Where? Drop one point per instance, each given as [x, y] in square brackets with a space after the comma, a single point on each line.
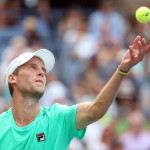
[134, 56]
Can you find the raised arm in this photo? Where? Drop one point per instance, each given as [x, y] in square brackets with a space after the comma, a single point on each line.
[90, 112]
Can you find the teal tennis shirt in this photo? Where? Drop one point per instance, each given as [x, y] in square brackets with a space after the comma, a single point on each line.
[53, 129]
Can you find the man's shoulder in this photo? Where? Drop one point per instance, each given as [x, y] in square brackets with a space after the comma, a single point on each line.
[54, 108]
[4, 115]
[59, 108]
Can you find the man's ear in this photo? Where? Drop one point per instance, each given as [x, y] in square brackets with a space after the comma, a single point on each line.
[12, 78]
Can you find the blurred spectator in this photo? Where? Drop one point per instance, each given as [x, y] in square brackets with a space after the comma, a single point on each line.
[44, 10]
[39, 27]
[102, 135]
[108, 137]
[18, 45]
[76, 145]
[109, 27]
[127, 98]
[12, 12]
[87, 88]
[70, 21]
[29, 29]
[116, 145]
[78, 47]
[36, 45]
[144, 85]
[45, 26]
[5, 104]
[2, 13]
[9, 18]
[136, 138]
[55, 91]
[93, 135]
[107, 24]
[106, 61]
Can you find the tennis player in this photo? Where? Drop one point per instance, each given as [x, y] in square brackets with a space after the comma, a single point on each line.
[29, 126]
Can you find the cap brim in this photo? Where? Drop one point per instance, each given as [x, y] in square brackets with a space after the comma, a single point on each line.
[47, 57]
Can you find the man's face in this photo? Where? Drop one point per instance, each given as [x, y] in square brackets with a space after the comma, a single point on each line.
[31, 80]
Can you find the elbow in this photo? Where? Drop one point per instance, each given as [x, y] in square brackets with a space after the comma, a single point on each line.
[95, 116]
[96, 113]
[101, 115]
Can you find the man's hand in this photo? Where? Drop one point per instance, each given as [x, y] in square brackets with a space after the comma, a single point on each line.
[134, 56]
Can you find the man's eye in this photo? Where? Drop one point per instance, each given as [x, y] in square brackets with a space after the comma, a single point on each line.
[32, 67]
[44, 70]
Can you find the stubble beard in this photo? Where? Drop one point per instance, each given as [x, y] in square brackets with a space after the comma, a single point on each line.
[32, 93]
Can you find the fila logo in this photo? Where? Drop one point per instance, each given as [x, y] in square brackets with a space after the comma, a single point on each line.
[40, 137]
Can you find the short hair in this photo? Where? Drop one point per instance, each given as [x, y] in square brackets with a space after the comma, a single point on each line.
[11, 90]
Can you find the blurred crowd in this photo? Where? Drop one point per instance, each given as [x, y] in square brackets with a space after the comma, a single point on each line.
[88, 44]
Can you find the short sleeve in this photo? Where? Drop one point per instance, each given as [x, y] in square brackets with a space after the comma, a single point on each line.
[68, 116]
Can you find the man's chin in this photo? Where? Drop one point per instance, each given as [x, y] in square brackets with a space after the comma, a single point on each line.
[39, 90]
[38, 94]
[35, 93]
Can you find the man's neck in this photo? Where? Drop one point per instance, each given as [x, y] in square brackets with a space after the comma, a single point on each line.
[25, 111]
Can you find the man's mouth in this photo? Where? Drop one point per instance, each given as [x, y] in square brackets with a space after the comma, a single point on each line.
[39, 81]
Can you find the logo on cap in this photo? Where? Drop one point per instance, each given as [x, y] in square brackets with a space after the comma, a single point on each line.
[40, 137]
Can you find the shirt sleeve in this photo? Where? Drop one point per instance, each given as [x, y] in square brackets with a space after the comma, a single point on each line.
[68, 116]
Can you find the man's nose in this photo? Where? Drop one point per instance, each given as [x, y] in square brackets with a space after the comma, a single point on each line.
[41, 72]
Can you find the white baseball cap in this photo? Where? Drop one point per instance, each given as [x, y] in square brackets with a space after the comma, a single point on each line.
[45, 55]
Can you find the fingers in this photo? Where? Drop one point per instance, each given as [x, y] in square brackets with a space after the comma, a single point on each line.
[131, 52]
[140, 46]
[144, 45]
[148, 49]
[135, 56]
[135, 43]
[143, 48]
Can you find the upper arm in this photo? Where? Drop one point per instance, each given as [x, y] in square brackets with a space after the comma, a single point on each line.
[84, 115]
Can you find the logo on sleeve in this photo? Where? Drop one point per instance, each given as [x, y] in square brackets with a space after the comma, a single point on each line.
[40, 137]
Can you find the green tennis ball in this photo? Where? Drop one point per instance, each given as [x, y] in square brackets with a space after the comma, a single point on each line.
[143, 14]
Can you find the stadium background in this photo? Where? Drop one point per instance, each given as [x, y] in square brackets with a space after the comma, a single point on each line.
[88, 39]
